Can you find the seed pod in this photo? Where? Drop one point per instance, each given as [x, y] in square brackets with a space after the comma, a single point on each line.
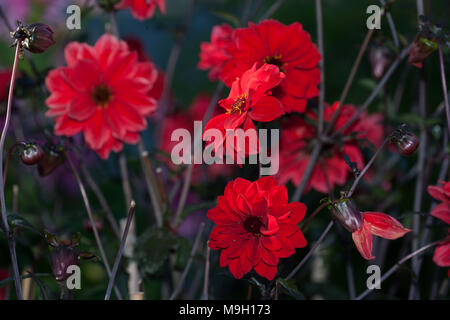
[31, 154]
[407, 144]
[420, 50]
[36, 37]
[61, 258]
[347, 214]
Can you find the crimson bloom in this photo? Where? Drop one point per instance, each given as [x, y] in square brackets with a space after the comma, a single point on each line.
[213, 55]
[249, 100]
[442, 211]
[298, 138]
[364, 225]
[287, 47]
[255, 226]
[143, 9]
[103, 92]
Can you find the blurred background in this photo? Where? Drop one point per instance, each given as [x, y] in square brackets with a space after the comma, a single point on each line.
[53, 203]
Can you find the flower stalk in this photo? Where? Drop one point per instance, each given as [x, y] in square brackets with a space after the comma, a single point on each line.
[9, 234]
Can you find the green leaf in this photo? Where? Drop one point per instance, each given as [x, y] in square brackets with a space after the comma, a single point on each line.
[290, 288]
[154, 247]
[17, 221]
[231, 18]
[183, 253]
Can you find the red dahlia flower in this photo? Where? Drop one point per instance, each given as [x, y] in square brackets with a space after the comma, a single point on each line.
[364, 225]
[299, 136]
[103, 92]
[255, 226]
[287, 47]
[213, 54]
[442, 211]
[249, 100]
[143, 9]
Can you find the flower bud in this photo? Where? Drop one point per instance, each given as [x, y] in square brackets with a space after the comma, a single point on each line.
[346, 213]
[61, 258]
[36, 37]
[380, 58]
[51, 160]
[406, 142]
[31, 154]
[420, 50]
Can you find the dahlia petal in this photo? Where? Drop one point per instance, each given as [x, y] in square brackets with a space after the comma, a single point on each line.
[131, 119]
[269, 258]
[271, 227]
[266, 109]
[124, 67]
[97, 131]
[106, 49]
[296, 214]
[298, 239]
[235, 268]
[287, 249]
[81, 108]
[66, 126]
[245, 263]
[85, 75]
[75, 51]
[442, 255]
[265, 270]
[363, 242]
[267, 183]
[253, 250]
[442, 211]
[383, 225]
[271, 243]
[60, 91]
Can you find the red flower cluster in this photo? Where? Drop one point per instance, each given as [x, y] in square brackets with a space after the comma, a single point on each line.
[103, 92]
[287, 47]
[378, 224]
[185, 120]
[298, 138]
[442, 211]
[143, 9]
[249, 100]
[256, 226]
[213, 55]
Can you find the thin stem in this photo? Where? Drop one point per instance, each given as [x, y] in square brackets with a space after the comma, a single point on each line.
[179, 286]
[391, 25]
[120, 252]
[349, 271]
[368, 165]
[309, 170]
[319, 23]
[308, 255]
[350, 78]
[126, 186]
[101, 198]
[396, 266]
[272, 10]
[184, 194]
[419, 185]
[374, 93]
[91, 219]
[444, 86]
[9, 234]
[307, 221]
[152, 183]
[206, 279]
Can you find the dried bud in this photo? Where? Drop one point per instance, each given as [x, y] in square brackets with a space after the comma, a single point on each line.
[420, 50]
[36, 37]
[380, 58]
[345, 212]
[61, 258]
[405, 141]
[31, 154]
[51, 159]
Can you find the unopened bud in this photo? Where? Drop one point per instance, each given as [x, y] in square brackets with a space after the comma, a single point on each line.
[36, 37]
[347, 214]
[31, 154]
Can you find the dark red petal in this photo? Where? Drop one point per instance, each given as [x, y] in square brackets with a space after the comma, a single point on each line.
[363, 242]
[266, 271]
[266, 109]
[383, 225]
[442, 255]
[81, 107]
[442, 211]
